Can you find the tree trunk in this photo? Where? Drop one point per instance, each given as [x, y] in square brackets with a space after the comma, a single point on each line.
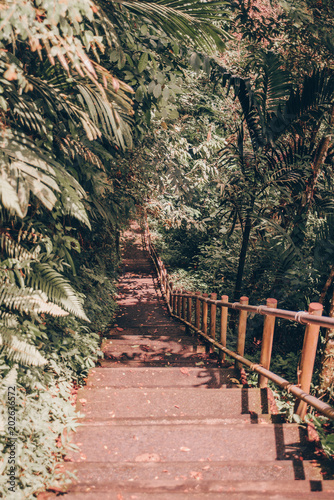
[242, 256]
[319, 160]
[326, 286]
[327, 365]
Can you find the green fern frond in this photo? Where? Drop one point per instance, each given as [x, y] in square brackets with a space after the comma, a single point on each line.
[20, 351]
[9, 379]
[8, 320]
[13, 249]
[57, 288]
[28, 301]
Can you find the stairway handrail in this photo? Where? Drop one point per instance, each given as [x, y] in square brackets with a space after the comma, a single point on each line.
[313, 322]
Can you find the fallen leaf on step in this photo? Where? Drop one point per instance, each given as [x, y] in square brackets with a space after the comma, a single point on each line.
[196, 475]
[183, 448]
[184, 370]
[148, 457]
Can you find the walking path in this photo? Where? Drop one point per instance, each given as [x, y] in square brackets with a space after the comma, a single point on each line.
[164, 422]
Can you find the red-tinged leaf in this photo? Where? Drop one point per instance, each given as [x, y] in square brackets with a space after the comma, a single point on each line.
[115, 84]
[185, 371]
[10, 74]
[120, 329]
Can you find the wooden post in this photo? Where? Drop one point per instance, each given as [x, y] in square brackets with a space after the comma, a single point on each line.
[189, 311]
[198, 310]
[267, 342]
[174, 301]
[178, 298]
[162, 276]
[213, 316]
[213, 319]
[205, 315]
[165, 279]
[223, 325]
[159, 269]
[242, 331]
[308, 356]
[184, 305]
[171, 295]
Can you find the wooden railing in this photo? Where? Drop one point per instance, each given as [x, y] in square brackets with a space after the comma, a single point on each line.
[203, 314]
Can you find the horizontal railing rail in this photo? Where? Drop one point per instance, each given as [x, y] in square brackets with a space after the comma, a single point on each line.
[199, 313]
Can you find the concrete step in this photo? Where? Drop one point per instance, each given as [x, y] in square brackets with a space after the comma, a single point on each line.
[93, 493]
[155, 343]
[163, 332]
[133, 403]
[138, 346]
[142, 347]
[197, 486]
[196, 360]
[147, 353]
[101, 473]
[186, 377]
[167, 441]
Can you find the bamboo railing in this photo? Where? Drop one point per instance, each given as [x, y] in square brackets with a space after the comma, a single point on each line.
[202, 313]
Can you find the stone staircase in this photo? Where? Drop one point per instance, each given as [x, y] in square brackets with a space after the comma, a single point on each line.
[163, 421]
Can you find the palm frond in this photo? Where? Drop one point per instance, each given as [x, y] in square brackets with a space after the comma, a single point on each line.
[249, 104]
[65, 46]
[190, 21]
[312, 99]
[73, 148]
[107, 115]
[26, 170]
[274, 86]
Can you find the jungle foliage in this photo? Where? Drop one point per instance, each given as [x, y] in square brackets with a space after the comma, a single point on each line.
[210, 117]
[79, 82]
[260, 222]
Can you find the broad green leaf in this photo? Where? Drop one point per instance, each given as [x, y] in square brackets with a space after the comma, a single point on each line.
[157, 90]
[143, 61]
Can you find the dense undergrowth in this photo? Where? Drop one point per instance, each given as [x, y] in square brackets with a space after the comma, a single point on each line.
[207, 115]
[45, 395]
